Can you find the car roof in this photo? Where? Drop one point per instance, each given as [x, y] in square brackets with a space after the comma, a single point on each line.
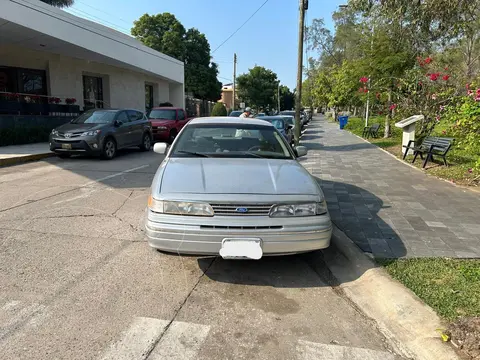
[166, 108]
[228, 120]
[272, 117]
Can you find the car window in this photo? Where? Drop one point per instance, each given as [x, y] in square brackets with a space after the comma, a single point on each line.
[134, 115]
[278, 123]
[95, 117]
[163, 114]
[122, 116]
[181, 115]
[231, 140]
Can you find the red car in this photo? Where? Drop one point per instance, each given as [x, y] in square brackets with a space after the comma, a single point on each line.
[167, 122]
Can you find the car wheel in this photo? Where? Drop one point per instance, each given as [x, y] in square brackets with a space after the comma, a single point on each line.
[64, 155]
[173, 134]
[146, 142]
[109, 149]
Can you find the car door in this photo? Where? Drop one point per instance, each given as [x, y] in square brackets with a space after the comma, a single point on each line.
[122, 129]
[136, 126]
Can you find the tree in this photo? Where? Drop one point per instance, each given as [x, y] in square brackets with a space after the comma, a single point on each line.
[59, 3]
[258, 87]
[287, 98]
[219, 109]
[164, 33]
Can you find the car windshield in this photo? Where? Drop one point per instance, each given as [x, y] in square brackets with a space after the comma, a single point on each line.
[164, 114]
[95, 117]
[231, 140]
[290, 113]
[289, 120]
[278, 123]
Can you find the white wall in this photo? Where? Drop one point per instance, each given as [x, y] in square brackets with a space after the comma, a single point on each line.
[121, 87]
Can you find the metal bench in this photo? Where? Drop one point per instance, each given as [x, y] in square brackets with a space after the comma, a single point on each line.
[371, 131]
[438, 146]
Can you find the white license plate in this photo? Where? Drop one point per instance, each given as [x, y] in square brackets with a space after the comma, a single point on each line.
[241, 248]
[66, 146]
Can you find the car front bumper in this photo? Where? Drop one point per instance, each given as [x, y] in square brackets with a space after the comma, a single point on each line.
[75, 145]
[160, 135]
[204, 236]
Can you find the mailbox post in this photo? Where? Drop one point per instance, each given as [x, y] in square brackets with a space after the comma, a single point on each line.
[408, 126]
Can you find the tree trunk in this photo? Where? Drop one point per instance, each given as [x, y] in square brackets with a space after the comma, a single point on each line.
[334, 113]
[389, 115]
[355, 111]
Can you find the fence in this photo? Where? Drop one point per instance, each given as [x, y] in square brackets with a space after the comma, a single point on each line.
[197, 107]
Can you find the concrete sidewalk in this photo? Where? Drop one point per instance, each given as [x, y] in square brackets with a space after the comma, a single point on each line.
[10, 155]
[386, 207]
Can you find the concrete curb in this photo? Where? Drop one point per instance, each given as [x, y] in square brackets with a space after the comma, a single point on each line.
[400, 315]
[24, 158]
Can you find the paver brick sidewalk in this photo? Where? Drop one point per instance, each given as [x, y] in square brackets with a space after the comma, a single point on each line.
[387, 207]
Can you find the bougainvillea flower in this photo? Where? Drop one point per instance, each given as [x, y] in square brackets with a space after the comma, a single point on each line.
[434, 77]
[393, 106]
[478, 92]
[428, 60]
[467, 86]
[446, 77]
[445, 68]
[364, 79]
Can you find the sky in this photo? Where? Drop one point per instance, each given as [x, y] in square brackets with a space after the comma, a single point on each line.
[269, 39]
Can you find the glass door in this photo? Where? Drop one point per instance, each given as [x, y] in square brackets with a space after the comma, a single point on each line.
[148, 97]
[92, 92]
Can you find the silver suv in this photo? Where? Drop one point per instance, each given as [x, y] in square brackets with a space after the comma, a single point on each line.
[102, 132]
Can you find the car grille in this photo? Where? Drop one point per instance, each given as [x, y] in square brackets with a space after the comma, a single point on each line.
[220, 227]
[64, 141]
[71, 135]
[233, 209]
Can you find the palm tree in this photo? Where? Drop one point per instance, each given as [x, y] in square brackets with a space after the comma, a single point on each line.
[59, 3]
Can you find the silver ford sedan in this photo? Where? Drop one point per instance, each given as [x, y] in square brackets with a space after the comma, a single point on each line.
[233, 187]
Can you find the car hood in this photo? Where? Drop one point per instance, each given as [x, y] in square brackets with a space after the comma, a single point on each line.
[162, 122]
[69, 127]
[236, 176]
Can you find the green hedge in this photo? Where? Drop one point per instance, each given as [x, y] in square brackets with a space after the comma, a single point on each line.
[27, 135]
[219, 109]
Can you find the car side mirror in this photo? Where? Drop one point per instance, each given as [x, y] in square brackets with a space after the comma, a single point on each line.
[301, 151]
[160, 148]
[118, 123]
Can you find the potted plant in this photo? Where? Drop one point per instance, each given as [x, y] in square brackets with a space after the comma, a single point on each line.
[72, 108]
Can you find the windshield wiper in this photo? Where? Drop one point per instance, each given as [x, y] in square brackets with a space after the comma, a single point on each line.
[192, 153]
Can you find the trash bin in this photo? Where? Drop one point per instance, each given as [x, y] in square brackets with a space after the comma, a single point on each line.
[343, 120]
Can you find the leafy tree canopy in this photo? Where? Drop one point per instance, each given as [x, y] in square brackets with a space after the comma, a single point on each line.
[258, 87]
[164, 33]
[59, 3]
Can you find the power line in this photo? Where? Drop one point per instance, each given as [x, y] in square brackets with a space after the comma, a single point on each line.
[91, 17]
[103, 11]
[246, 21]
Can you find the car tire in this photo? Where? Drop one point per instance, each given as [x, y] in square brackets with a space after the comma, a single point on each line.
[146, 144]
[172, 136]
[109, 148]
[64, 155]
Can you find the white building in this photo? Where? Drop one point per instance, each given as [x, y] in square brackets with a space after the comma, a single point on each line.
[46, 51]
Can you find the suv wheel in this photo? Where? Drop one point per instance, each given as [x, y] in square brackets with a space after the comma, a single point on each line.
[109, 149]
[146, 142]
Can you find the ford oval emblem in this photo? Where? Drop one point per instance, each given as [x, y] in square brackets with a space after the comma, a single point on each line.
[241, 210]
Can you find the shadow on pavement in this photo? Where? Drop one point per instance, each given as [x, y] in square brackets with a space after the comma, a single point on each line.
[289, 271]
[355, 211]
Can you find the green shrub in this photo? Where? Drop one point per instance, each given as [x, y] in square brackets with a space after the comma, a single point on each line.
[24, 135]
[219, 110]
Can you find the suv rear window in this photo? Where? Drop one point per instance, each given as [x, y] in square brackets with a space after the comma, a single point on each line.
[163, 114]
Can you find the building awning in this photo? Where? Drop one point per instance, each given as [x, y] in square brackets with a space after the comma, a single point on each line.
[36, 25]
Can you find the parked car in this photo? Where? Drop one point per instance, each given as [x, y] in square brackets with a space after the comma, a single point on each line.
[292, 113]
[167, 122]
[281, 125]
[102, 132]
[238, 196]
[236, 113]
[260, 115]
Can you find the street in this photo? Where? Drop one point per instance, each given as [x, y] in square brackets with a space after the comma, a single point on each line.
[79, 280]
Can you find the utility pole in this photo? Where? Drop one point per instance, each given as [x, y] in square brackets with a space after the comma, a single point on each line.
[234, 77]
[278, 96]
[367, 112]
[298, 100]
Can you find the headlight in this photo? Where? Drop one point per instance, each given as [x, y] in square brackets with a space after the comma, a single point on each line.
[179, 207]
[162, 128]
[91, 133]
[54, 132]
[310, 209]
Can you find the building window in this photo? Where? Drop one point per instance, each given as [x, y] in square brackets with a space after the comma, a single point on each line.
[148, 97]
[92, 92]
[23, 81]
